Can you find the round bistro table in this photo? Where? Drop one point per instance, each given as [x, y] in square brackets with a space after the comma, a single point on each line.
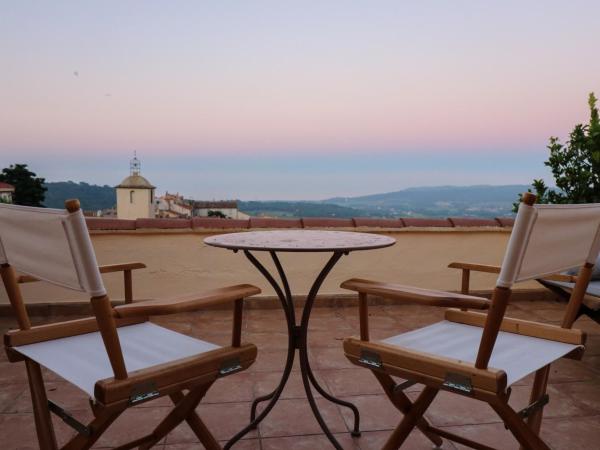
[339, 243]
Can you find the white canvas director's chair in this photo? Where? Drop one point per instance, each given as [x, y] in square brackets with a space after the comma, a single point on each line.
[118, 357]
[480, 355]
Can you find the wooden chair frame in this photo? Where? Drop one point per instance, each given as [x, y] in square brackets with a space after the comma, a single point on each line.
[184, 380]
[466, 269]
[127, 269]
[475, 380]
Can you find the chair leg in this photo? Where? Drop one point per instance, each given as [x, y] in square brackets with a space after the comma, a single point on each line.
[538, 391]
[198, 426]
[403, 404]
[41, 413]
[182, 410]
[103, 420]
[521, 431]
[411, 419]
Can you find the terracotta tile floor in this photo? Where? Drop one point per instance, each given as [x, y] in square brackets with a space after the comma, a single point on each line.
[572, 417]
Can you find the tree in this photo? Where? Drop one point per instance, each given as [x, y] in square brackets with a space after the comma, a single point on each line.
[218, 214]
[575, 165]
[29, 189]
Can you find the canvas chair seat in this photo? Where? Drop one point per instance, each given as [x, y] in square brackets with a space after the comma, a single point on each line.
[515, 354]
[82, 360]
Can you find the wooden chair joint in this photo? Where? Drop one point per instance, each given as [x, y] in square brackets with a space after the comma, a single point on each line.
[458, 382]
[68, 418]
[399, 387]
[370, 359]
[538, 404]
[230, 366]
[143, 392]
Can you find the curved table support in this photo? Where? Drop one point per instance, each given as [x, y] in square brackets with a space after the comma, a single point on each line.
[308, 377]
[289, 315]
[298, 340]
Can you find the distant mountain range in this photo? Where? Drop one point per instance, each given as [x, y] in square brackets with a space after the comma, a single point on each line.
[284, 208]
[441, 201]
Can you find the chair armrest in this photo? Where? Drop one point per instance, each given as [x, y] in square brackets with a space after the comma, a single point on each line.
[122, 267]
[496, 269]
[475, 267]
[411, 294]
[186, 303]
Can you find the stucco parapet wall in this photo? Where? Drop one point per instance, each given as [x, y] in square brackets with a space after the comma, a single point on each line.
[204, 224]
[179, 263]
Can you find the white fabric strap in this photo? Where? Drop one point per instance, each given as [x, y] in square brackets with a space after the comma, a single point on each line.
[595, 250]
[3, 258]
[83, 254]
[517, 245]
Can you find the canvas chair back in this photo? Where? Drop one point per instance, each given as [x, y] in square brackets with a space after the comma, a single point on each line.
[549, 239]
[546, 239]
[50, 244]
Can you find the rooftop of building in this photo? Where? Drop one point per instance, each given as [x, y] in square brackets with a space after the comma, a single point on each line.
[135, 182]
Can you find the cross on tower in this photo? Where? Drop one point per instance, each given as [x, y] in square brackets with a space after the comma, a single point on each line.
[135, 165]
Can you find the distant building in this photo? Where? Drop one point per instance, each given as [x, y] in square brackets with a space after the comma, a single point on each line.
[173, 206]
[224, 208]
[7, 192]
[135, 195]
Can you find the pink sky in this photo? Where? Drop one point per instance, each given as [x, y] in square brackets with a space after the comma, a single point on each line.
[247, 78]
[312, 78]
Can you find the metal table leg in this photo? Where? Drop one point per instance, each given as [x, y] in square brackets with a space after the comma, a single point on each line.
[288, 309]
[298, 340]
[308, 377]
[306, 316]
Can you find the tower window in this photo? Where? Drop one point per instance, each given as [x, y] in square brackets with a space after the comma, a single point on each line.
[131, 196]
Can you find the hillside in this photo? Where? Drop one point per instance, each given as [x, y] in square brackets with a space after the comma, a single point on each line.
[91, 196]
[440, 201]
[297, 209]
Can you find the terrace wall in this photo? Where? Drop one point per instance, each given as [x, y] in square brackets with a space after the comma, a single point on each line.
[179, 262]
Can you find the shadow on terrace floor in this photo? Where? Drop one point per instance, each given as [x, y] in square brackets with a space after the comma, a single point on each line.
[572, 419]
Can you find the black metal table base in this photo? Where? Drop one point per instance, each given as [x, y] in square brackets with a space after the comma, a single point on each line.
[297, 340]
